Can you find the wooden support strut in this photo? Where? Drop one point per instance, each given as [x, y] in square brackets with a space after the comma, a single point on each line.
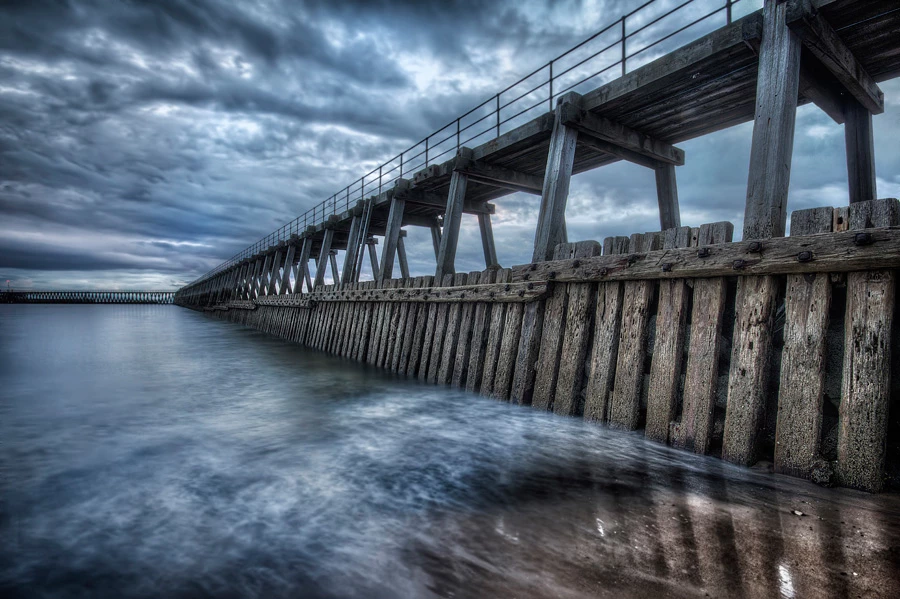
[446, 259]
[323, 257]
[353, 246]
[401, 255]
[773, 128]
[391, 237]
[551, 226]
[303, 265]
[487, 241]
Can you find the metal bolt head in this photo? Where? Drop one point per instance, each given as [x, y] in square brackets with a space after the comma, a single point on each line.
[804, 256]
[738, 264]
[703, 253]
[667, 267]
[755, 247]
[863, 238]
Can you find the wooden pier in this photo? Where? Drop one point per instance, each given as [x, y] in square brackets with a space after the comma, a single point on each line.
[772, 347]
[87, 297]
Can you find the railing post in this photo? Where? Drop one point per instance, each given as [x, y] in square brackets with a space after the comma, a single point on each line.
[624, 55]
[728, 10]
[426, 151]
[457, 135]
[498, 115]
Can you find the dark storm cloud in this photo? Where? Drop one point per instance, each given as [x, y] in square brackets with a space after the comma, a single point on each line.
[147, 141]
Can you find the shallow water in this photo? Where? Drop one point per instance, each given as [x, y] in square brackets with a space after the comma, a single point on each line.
[149, 451]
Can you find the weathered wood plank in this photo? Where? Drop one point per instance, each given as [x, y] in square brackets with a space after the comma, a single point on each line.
[451, 336]
[625, 402]
[748, 378]
[702, 369]
[829, 252]
[665, 364]
[494, 340]
[492, 293]
[437, 344]
[865, 391]
[464, 347]
[481, 318]
[800, 392]
[419, 344]
[509, 349]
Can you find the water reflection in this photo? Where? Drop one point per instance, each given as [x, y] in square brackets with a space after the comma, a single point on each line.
[148, 451]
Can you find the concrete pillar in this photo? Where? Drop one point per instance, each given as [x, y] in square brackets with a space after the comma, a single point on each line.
[446, 259]
[773, 127]
[551, 227]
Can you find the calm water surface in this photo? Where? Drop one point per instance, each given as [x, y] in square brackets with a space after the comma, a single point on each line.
[149, 451]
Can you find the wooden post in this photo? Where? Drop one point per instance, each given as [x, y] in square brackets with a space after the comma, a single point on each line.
[551, 226]
[303, 265]
[667, 196]
[446, 259]
[436, 240]
[274, 274]
[373, 257]
[487, 240]
[860, 152]
[773, 128]
[401, 256]
[323, 258]
[800, 393]
[391, 237]
[288, 269]
[332, 259]
[866, 381]
[353, 246]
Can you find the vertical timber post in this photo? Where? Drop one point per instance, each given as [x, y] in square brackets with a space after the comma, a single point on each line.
[332, 259]
[401, 256]
[551, 226]
[391, 236]
[322, 262]
[667, 195]
[303, 265]
[860, 152]
[436, 240]
[373, 256]
[487, 240]
[350, 258]
[456, 198]
[773, 127]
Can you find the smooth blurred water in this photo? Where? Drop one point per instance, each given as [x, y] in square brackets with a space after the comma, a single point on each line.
[150, 451]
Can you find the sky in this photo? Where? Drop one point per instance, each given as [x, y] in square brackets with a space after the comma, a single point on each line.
[143, 143]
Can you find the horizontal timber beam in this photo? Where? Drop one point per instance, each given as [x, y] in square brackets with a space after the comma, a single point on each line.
[845, 251]
[619, 135]
[824, 42]
[499, 176]
[495, 293]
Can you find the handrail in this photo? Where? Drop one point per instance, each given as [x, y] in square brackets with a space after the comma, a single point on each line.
[413, 155]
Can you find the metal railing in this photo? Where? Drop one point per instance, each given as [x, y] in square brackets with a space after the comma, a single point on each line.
[603, 56]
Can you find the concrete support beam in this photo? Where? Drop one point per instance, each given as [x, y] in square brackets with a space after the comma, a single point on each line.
[551, 226]
[860, 142]
[487, 240]
[667, 196]
[323, 258]
[371, 242]
[446, 259]
[353, 247]
[391, 237]
[401, 256]
[773, 128]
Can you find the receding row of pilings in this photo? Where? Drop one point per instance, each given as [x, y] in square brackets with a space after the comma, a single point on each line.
[777, 349]
[87, 297]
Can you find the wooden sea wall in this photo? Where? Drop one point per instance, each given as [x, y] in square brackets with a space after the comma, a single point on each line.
[780, 350]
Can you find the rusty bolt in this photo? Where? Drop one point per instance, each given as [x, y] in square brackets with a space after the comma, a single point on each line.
[493, 294]
[703, 253]
[755, 247]
[521, 293]
[604, 272]
[576, 263]
[862, 239]
[738, 264]
[667, 267]
[507, 288]
[804, 257]
[530, 285]
[533, 266]
[552, 275]
[527, 276]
